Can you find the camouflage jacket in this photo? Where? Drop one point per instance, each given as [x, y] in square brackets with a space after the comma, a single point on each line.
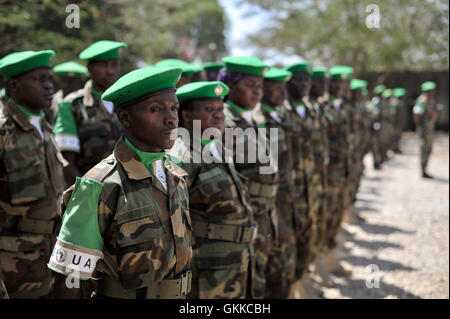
[223, 226]
[261, 187]
[87, 126]
[122, 226]
[31, 183]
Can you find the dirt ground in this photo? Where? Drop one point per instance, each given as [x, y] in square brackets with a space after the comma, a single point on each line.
[401, 249]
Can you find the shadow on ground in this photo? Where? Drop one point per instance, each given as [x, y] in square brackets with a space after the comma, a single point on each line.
[383, 264]
[382, 229]
[375, 245]
[349, 290]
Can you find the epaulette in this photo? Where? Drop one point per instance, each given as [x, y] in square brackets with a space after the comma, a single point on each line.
[100, 171]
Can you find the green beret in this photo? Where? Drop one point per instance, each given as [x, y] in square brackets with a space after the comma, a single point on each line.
[342, 72]
[428, 86]
[299, 67]
[102, 50]
[319, 72]
[202, 89]
[399, 92]
[188, 69]
[357, 84]
[213, 66]
[386, 93]
[379, 89]
[196, 67]
[20, 62]
[70, 68]
[141, 82]
[279, 75]
[246, 64]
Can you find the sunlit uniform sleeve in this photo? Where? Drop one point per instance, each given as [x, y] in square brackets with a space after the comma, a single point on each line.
[66, 133]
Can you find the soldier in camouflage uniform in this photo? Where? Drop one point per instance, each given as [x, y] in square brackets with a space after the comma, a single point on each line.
[126, 222]
[386, 123]
[244, 77]
[222, 220]
[425, 114]
[70, 77]
[399, 121]
[300, 121]
[376, 138]
[280, 272]
[31, 175]
[86, 128]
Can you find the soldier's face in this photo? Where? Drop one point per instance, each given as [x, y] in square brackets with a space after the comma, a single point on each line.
[319, 86]
[357, 95]
[299, 85]
[274, 92]
[208, 111]
[34, 89]
[104, 73]
[337, 87]
[247, 92]
[151, 123]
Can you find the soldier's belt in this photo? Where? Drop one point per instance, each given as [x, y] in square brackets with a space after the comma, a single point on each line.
[165, 289]
[262, 190]
[29, 225]
[234, 233]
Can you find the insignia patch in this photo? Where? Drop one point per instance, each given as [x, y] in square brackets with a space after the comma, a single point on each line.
[218, 90]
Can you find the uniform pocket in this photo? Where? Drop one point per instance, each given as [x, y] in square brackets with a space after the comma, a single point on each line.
[25, 178]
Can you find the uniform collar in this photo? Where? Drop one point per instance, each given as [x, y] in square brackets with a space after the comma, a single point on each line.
[18, 116]
[134, 167]
[89, 97]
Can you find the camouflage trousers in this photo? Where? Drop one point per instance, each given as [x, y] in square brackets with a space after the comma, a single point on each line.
[304, 238]
[356, 172]
[338, 193]
[265, 215]
[226, 275]
[280, 270]
[320, 232]
[25, 271]
[426, 146]
[376, 149]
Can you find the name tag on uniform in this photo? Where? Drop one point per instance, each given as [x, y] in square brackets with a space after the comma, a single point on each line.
[109, 106]
[301, 111]
[159, 172]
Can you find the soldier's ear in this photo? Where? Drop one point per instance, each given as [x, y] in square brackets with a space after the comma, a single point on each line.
[124, 117]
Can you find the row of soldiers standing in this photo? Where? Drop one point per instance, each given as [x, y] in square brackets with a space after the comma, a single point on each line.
[143, 227]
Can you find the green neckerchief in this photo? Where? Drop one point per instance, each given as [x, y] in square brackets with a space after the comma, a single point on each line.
[3, 94]
[206, 142]
[268, 108]
[97, 94]
[147, 158]
[27, 113]
[237, 108]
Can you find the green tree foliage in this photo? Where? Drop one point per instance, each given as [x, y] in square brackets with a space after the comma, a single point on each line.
[413, 34]
[153, 30]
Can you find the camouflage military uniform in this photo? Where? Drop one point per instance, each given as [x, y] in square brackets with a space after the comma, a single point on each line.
[338, 168]
[262, 189]
[280, 272]
[296, 119]
[321, 160]
[31, 182]
[386, 127]
[52, 112]
[122, 226]
[376, 129]
[223, 226]
[425, 129]
[86, 125]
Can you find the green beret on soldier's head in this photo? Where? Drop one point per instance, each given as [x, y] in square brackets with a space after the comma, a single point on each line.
[71, 68]
[399, 92]
[188, 69]
[246, 64]
[140, 84]
[319, 72]
[357, 84]
[102, 50]
[386, 93]
[213, 66]
[278, 75]
[379, 89]
[17, 63]
[428, 86]
[342, 72]
[202, 90]
[299, 67]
